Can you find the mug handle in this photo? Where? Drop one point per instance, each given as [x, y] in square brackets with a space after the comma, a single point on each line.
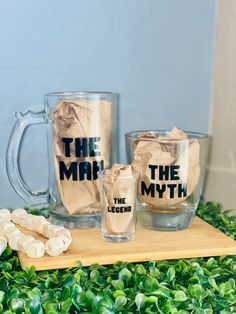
[12, 157]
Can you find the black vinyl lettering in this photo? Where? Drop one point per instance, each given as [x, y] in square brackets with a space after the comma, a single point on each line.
[97, 166]
[147, 190]
[67, 141]
[81, 147]
[174, 172]
[160, 189]
[84, 169]
[93, 147]
[164, 172]
[153, 168]
[172, 189]
[71, 171]
[182, 190]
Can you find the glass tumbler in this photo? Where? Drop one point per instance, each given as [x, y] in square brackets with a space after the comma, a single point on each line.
[118, 205]
[171, 176]
[81, 132]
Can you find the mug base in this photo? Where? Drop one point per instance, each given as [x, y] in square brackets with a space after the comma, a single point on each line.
[74, 221]
[169, 220]
[119, 238]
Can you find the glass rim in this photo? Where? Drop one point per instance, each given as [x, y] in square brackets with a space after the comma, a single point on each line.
[80, 93]
[102, 173]
[194, 135]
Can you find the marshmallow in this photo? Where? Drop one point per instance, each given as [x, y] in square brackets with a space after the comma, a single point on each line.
[27, 221]
[12, 232]
[55, 246]
[59, 237]
[3, 244]
[66, 236]
[5, 214]
[42, 226]
[35, 249]
[66, 241]
[13, 242]
[17, 213]
[4, 225]
[49, 231]
[37, 222]
[64, 232]
[21, 221]
[23, 242]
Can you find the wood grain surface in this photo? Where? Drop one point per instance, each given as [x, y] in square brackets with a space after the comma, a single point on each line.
[201, 239]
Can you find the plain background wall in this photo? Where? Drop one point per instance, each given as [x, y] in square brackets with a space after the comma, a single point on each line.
[157, 54]
[221, 175]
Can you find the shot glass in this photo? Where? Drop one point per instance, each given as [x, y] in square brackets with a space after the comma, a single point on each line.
[172, 168]
[118, 193]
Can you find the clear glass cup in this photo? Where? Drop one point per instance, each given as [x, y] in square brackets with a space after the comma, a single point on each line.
[118, 206]
[81, 132]
[171, 177]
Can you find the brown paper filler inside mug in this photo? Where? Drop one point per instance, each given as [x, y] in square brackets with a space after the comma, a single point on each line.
[79, 119]
[150, 149]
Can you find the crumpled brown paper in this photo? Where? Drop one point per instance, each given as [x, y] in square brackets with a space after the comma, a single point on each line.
[163, 150]
[76, 118]
[120, 182]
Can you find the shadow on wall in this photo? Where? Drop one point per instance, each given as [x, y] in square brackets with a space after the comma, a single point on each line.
[221, 176]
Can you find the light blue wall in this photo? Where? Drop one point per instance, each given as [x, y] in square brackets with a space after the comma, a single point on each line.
[157, 54]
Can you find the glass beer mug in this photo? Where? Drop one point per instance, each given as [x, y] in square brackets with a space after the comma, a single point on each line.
[172, 168]
[81, 132]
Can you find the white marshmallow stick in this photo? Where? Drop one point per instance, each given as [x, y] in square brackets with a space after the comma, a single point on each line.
[5, 214]
[35, 249]
[17, 214]
[41, 225]
[55, 246]
[4, 225]
[38, 222]
[24, 242]
[31, 222]
[66, 236]
[12, 232]
[49, 231]
[16, 239]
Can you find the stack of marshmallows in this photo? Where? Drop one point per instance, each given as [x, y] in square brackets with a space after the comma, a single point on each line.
[59, 238]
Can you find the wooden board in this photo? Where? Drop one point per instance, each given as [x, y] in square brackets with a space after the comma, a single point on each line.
[201, 239]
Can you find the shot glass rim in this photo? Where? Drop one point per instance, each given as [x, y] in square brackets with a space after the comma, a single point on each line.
[89, 94]
[102, 173]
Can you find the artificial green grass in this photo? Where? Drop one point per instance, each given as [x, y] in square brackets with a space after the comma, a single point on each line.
[199, 285]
